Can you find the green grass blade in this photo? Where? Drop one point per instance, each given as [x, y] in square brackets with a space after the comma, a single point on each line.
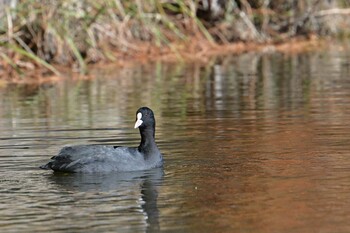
[77, 54]
[31, 56]
[11, 63]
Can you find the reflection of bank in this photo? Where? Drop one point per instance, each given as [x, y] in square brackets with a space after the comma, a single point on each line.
[122, 186]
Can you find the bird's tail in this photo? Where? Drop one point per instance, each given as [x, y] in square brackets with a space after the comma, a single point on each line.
[46, 166]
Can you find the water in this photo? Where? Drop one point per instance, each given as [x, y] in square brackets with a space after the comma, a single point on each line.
[252, 143]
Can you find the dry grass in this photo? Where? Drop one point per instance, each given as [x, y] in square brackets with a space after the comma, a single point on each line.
[73, 33]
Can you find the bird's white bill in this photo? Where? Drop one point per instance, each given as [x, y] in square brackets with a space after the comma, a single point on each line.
[138, 120]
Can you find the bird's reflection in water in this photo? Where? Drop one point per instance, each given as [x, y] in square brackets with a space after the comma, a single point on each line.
[147, 181]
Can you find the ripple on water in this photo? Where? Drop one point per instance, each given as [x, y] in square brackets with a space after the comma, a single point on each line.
[258, 146]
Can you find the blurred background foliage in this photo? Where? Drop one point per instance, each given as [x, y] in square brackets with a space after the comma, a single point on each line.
[39, 33]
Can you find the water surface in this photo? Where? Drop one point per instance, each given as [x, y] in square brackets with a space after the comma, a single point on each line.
[252, 143]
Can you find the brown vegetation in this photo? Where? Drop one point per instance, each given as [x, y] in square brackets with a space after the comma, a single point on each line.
[40, 37]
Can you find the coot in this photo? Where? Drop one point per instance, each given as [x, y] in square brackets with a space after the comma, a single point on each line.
[102, 158]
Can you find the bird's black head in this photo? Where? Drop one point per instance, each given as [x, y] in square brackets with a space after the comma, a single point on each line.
[144, 118]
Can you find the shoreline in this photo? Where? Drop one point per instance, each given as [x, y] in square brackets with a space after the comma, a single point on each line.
[200, 52]
[34, 46]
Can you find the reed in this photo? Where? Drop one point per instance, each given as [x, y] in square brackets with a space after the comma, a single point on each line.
[37, 34]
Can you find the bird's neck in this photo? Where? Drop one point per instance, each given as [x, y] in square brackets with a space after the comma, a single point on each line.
[147, 144]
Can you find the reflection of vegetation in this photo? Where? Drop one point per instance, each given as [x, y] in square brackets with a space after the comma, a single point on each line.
[74, 32]
[234, 84]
